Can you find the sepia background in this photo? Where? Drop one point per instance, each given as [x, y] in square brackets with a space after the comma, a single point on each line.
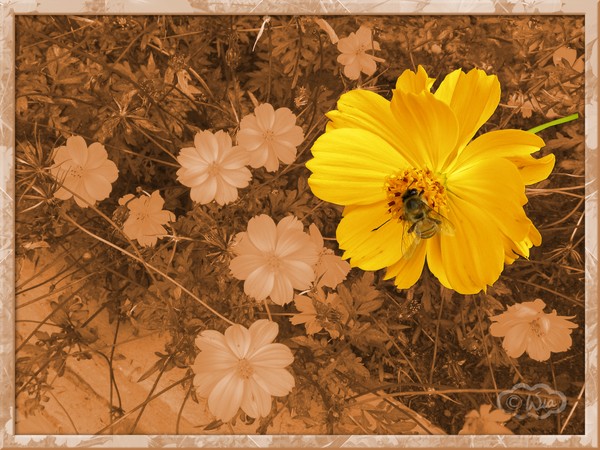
[85, 318]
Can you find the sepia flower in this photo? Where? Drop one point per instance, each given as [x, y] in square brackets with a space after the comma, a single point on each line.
[319, 311]
[330, 269]
[354, 56]
[270, 136]
[85, 171]
[525, 327]
[274, 259]
[146, 218]
[466, 195]
[242, 368]
[486, 422]
[213, 168]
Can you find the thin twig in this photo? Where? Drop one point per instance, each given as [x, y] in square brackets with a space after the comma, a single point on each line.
[151, 267]
[145, 402]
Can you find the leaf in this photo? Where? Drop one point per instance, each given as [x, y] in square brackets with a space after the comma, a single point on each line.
[353, 364]
[304, 341]
[88, 335]
[158, 365]
[564, 142]
[145, 123]
[35, 352]
[365, 336]
[365, 295]
[42, 336]
[253, 99]
[59, 315]
[215, 425]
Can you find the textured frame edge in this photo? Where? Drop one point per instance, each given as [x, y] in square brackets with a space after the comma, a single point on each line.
[7, 231]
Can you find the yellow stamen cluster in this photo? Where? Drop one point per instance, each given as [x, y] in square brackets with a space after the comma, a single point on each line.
[423, 180]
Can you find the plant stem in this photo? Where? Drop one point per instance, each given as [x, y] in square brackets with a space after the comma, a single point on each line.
[553, 123]
[149, 266]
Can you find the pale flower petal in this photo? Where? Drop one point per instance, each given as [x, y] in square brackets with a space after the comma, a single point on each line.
[61, 155]
[526, 328]
[205, 382]
[483, 422]
[282, 255]
[242, 266]
[330, 269]
[265, 116]
[277, 382]
[97, 186]
[353, 54]
[256, 401]
[262, 232]
[270, 136]
[213, 169]
[272, 356]
[225, 398]
[238, 339]
[259, 283]
[78, 150]
[96, 155]
[84, 170]
[242, 368]
[146, 218]
[204, 193]
[283, 291]
[263, 332]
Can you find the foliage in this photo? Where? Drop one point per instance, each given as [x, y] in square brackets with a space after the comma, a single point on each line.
[144, 85]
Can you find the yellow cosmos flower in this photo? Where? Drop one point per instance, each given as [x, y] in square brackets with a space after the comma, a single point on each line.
[416, 186]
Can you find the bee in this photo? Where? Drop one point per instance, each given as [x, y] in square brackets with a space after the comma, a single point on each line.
[420, 221]
[424, 221]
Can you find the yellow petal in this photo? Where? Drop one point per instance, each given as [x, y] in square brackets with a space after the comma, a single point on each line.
[514, 249]
[427, 126]
[408, 270]
[471, 259]
[350, 166]
[371, 112]
[473, 97]
[413, 82]
[495, 189]
[368, 249]
[514, 145]
[534, 170]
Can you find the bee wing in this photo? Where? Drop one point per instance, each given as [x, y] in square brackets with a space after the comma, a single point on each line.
[410, 240]
[445, 225]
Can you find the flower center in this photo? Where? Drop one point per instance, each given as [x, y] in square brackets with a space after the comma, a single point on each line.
[76, 172]
[245, 369]
[141, 216]
[213, 169]
[273, 262]
[423, 180]
[538, 327]
[268, 135]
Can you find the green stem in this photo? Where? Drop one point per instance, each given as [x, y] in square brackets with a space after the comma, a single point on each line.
[554, 122]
